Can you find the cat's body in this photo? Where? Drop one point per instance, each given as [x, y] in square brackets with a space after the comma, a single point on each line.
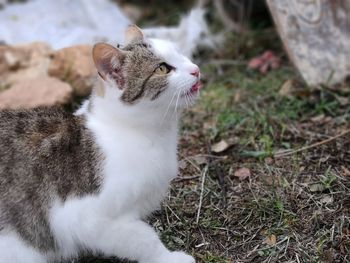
[70, 183]
[45, 154]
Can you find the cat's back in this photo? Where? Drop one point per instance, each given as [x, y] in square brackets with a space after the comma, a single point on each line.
[46, 153]
[37, 134]
[33, 126]
[47, 147]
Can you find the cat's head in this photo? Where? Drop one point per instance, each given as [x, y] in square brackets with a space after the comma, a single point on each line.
[147, 72]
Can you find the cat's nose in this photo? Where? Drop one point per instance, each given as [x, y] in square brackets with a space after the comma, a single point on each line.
[195, 72]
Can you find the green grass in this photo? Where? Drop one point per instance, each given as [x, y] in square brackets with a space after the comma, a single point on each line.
[301, 199]
[280, 198]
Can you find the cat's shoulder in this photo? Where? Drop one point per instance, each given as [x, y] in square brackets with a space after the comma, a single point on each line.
[43, 123]
[41, 117]
[38, 112]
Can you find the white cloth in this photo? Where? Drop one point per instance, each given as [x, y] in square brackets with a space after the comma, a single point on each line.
[63, 23]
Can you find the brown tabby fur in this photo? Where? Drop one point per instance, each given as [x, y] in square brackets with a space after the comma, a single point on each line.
[45, 153]
[142, 80]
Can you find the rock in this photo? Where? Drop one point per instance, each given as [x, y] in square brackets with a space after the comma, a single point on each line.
[42, 91]
[36, 51]
[25, 69]
[316, 36]
[75, 66]
[10, 58]
[23, 62]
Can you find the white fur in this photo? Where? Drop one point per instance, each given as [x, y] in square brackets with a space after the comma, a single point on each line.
[139, 143]
[14, 250]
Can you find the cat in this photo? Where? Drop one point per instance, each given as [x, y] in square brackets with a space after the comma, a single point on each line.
[79, 182]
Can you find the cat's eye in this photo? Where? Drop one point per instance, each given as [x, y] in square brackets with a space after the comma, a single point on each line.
[163, 69]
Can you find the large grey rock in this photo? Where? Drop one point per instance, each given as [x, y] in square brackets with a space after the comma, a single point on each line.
[316, 35]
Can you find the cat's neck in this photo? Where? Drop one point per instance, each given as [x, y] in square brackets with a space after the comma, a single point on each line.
[151, 121]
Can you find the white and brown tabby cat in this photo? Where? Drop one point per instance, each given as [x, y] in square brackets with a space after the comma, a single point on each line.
[85, 182]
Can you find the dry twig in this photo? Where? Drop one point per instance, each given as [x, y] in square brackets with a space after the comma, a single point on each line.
[205, 170]
[291, 152]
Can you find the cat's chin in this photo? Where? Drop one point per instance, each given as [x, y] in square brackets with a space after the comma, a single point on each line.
[193, 92]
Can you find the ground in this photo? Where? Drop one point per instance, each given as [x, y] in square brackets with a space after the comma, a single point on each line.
[292, 208]
[255, 197]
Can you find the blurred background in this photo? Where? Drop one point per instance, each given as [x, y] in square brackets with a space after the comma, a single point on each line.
[264, 154]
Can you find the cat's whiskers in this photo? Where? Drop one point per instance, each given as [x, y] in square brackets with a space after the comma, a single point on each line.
[167, 110]
[189, 100]
[186, 100]
[176, 105]
[193, 98]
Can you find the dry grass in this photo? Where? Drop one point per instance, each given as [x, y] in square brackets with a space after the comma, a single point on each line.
[291, 209]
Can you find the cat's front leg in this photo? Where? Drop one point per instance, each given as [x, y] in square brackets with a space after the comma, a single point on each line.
[176, 257]
[137, 241]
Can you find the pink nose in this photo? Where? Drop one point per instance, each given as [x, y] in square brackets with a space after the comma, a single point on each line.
[195, 73]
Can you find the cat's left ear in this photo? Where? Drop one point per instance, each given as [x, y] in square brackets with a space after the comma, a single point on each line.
[108, 61]
[133, 34]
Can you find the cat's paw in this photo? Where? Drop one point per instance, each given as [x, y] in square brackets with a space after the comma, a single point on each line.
[177, 257]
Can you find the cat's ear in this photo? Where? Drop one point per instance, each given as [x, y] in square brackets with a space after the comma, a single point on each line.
[108, 61]
[133, 34]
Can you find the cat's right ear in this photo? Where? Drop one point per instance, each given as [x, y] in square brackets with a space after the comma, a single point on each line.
[108, 61]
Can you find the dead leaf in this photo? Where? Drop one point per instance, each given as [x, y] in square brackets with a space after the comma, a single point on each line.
[342, 250]
[327, 199]
[345, 171]
[255, 63]
[183, 164]
[199, 159]
[343, 100]
[318, 118]
[178, 240]
[220, 146]
[286, 89]
[317, 187]
[273, 180]
[324, 159]
[209, 125]
[238, 96]
[269, 161]
[242, 173]
[233, 140]
[270, 240]
[238, 189]
[265, 62]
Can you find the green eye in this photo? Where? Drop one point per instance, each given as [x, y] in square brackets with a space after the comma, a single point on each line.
[163, 69]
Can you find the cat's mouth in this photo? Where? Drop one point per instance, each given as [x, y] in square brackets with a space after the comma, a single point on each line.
[194, 89]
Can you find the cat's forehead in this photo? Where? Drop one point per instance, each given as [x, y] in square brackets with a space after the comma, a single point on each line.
[157, 49]
[162, 47]
[165, 50]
